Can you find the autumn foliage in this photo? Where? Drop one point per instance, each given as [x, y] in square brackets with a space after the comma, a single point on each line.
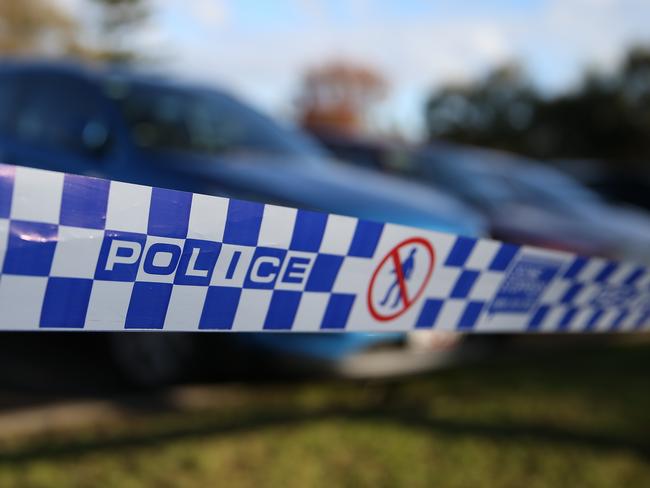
[336, 97]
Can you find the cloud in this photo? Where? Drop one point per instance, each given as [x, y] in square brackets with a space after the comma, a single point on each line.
[209, 13]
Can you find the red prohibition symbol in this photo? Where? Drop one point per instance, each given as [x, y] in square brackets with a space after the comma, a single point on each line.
[406, 297]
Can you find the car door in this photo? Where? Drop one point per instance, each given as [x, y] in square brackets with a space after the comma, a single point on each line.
[59, 122]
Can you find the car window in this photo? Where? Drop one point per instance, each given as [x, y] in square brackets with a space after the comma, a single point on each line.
[203, 122]
[8, 87]
[54, 110]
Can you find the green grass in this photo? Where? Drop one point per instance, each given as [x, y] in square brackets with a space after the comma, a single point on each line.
[577, 418]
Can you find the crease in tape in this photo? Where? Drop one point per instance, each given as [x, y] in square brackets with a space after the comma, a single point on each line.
[80, 253]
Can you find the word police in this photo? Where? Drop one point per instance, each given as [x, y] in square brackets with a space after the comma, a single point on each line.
[129, 257]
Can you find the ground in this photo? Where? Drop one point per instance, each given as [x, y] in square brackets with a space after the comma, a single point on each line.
[573, 417]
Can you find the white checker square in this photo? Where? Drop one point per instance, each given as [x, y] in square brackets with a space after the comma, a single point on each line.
[310, 312]
[486, 286]
[630, 322]
[185, 307]
[207, 218]
[232, 264]
[552, 320]
[338, 235]
[442, 245]
[593, 267]
[621, 273]
[442, 281]
[77, 252]
[555, 291]
[502, 322]
[587, 295]
[482, 255]
[159, 259]
[391, 236]
[277, 227]
[108, 306]
[354, 276]
[21, 301]
[644, 281]
[450, 314]
[252, 309]
[579, 321]
[128, 207]
[4, 237]
[606, 320]
[37, 195]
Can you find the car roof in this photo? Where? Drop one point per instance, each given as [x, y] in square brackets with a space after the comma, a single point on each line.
[98, 72]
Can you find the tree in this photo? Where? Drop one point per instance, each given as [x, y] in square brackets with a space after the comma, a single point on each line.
[41, 28]
[117, 20]
[338, 96]
[606, 118]
[489, 112]
[36, 27]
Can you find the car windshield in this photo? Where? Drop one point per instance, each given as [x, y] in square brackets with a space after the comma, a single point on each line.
[553, 191]
[202, 122]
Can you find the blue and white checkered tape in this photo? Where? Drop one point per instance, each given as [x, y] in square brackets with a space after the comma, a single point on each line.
[91, 254]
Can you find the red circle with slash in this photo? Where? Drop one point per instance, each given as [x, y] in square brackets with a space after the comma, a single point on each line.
[407, 299]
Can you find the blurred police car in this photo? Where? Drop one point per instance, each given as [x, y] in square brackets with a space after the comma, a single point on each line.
[150, 130]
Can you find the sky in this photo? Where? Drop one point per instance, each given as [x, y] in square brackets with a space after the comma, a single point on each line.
[259, 49]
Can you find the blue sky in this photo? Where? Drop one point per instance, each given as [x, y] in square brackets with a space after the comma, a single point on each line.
[259, 49]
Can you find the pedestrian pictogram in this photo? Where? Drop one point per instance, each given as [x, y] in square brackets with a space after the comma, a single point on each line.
[400, 279]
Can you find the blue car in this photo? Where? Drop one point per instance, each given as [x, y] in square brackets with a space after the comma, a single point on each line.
[150, 130]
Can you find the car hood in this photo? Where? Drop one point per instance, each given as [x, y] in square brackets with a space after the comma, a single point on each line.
[616, 231]
[330, 186]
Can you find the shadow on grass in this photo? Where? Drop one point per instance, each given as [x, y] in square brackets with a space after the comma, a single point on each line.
[596, 374]
[405, 418]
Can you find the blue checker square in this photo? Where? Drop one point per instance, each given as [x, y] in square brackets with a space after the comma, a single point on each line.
[538, 317]
[365, 239]
[571, 293]
[120, 255]
[606, 272]
[220, 308]
[243, 223]
[7, 176]
[169, 213]
[643, 320]
[429, 314]
[503, 257]
[567, 318]
[460, 251]
[282, 310]
[30, 249]
[337, 311]
[84, 202]
[464, 284]
[324, 272]
[167, 266]
[197, 262]
[308, 231]
[265, 268]
[635, 276]
[66, 302]
[593, 320]
[618, 321]
[470, 315]
[575, 267]
[148, 305]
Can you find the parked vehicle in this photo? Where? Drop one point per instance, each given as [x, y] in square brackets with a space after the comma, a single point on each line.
[524, 201]
[150, 130]
[531, 203]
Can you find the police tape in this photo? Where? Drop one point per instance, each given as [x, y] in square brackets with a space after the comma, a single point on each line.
[92, 254]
